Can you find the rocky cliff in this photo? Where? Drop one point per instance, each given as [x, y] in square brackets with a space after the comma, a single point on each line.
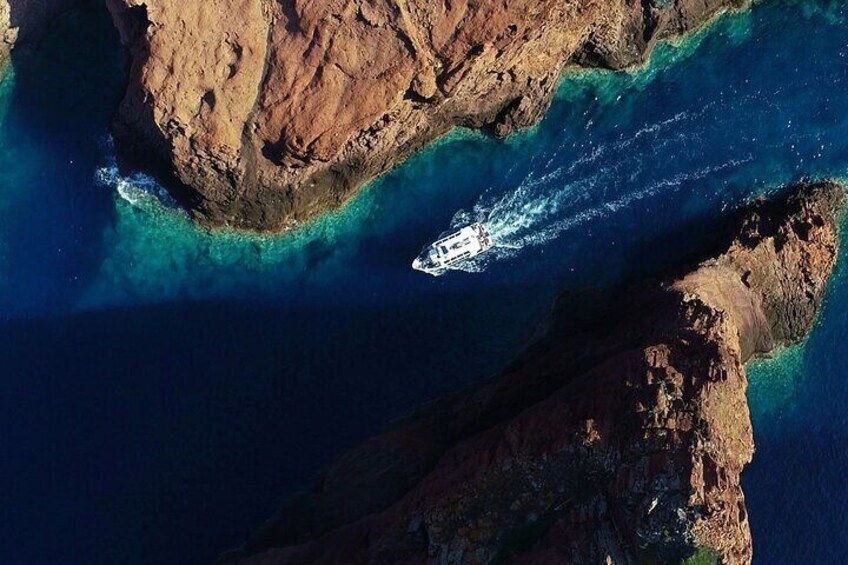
[618, 437]
[7, 35]
[262, 112]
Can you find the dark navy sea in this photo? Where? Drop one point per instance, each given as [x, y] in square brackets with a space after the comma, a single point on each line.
[163, 388]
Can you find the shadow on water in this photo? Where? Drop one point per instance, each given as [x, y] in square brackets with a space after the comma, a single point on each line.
[798, 404]
[165, 434]
[66, 87]
[168, 433]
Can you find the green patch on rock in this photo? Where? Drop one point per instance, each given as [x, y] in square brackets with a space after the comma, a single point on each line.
[524, 538]
[703, 556]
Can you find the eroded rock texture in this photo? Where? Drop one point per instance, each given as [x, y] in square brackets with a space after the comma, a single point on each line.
[262, 112]
[7, 34]
[618, 437]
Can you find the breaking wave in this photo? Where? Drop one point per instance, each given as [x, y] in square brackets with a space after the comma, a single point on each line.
[137, 189]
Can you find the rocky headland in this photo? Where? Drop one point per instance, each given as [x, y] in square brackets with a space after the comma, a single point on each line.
[261, 113]
[618, 436]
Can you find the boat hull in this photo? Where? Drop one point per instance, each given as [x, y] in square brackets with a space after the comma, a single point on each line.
[453, 249]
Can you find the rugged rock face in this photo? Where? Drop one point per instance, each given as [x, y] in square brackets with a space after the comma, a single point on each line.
[262, 112]
[7, 35]
[618, 437]
[23, 20]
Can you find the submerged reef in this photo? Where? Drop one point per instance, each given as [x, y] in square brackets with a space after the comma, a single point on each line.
[618, 436]
[261, 113]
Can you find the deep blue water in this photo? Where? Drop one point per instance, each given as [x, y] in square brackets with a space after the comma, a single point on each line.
[162, 388]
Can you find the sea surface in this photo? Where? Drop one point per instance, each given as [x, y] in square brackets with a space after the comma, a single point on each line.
[162, 388]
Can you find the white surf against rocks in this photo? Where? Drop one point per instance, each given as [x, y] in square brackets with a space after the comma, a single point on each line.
[137, 189]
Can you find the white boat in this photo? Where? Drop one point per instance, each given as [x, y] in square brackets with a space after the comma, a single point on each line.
[459, 246]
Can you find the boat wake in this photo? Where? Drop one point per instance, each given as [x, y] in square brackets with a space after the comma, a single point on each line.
[605, 179]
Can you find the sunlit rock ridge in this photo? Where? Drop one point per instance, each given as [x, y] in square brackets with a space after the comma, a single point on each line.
[618, 436]
[261, 113]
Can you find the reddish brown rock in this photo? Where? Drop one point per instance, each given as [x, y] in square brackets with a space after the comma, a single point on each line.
[618, 437]
[261, 112]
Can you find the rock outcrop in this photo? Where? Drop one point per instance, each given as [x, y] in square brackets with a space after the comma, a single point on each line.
[618, 437]
[7, 33]
[259, 113]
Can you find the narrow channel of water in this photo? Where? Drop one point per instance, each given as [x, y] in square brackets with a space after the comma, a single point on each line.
[162, 387]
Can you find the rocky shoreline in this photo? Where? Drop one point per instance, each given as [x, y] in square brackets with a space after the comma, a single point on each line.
[621, 433]
[259, 114]
[619, 436]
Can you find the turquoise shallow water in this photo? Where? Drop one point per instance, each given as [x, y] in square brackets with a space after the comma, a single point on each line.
[162, 387]
[795, 486]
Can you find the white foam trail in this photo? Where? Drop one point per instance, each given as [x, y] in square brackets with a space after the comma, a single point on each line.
[613, 206]
[626, 142]
[532, 214]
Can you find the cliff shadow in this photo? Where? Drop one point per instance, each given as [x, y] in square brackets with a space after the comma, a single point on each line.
[66, 86]
[585, 330]
[166, 433]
